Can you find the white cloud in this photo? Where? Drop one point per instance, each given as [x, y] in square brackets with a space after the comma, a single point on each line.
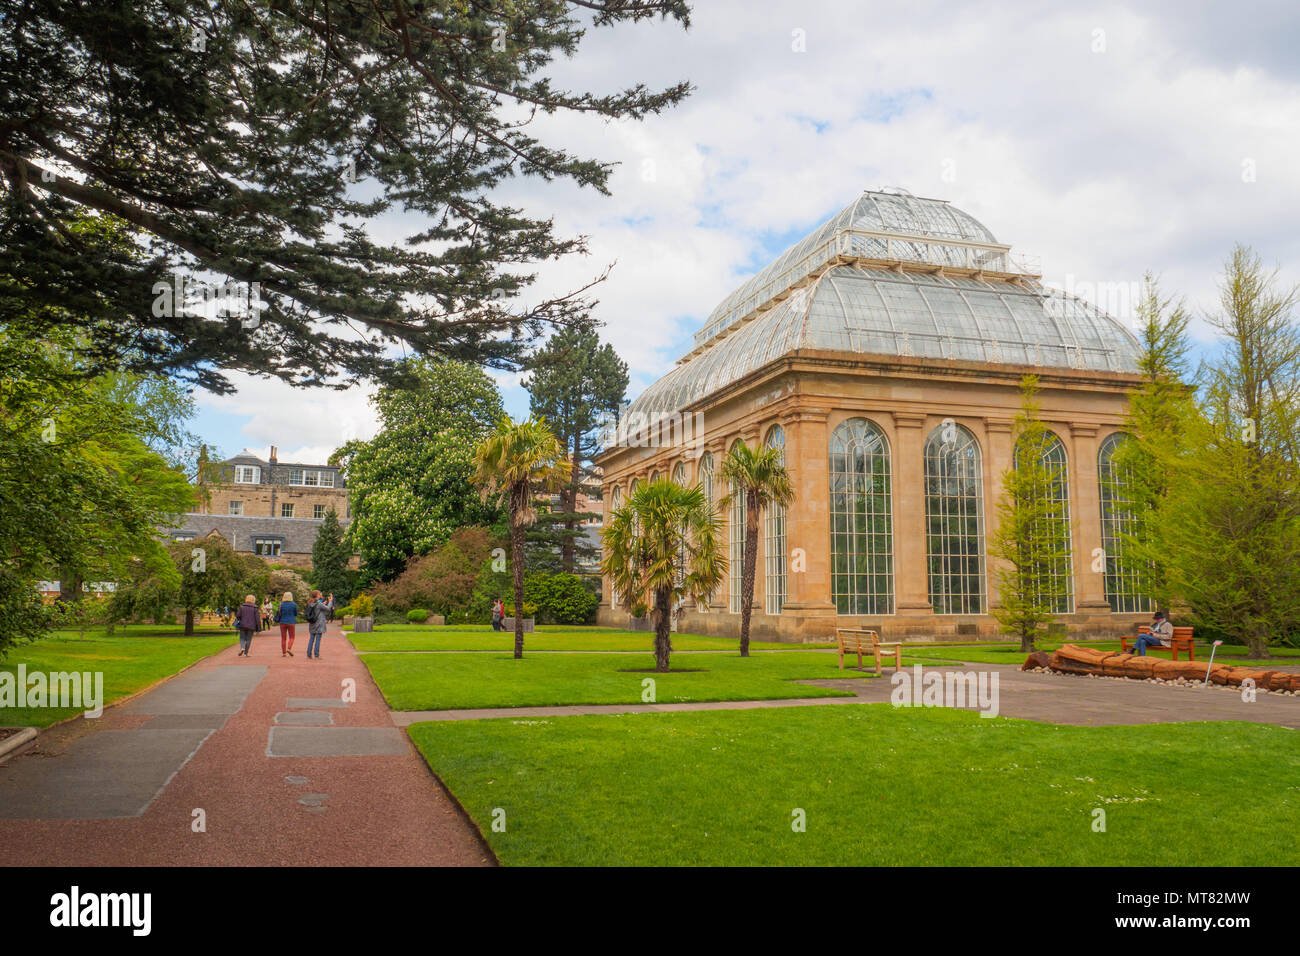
[1104, 164]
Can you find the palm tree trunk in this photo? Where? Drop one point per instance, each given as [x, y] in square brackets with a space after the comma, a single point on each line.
[663, 643]
[748, 571]
[517, 556]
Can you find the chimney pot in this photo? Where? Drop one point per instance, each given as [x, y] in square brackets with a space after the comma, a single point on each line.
[273, 454]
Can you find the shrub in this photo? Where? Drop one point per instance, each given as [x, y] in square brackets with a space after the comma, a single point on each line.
[417, 616]
[442, 581]
[561, 598]
[530, 610]
[363, 605]
[639, 609]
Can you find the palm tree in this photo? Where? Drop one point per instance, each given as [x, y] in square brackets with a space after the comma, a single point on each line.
[760, 479]
[518, 460]
[661, 546]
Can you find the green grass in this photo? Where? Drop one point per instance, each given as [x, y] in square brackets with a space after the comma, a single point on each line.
[454, 681]
[132, 659]
[879, 787]
[480, 637]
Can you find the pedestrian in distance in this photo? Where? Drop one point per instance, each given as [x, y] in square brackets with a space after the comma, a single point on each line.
[287, 617]
[246, 617]
[317, 618]
[498, 614]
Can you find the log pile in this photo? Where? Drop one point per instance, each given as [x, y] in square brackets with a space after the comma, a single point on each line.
[1072, 659]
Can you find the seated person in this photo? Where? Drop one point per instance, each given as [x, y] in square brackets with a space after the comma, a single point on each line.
[1162, 632]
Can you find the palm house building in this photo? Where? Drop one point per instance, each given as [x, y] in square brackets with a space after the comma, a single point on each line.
[884, 354]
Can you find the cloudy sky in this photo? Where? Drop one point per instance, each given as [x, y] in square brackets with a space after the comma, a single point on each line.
[1103, 139]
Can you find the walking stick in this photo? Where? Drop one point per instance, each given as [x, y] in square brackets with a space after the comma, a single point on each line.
[1211, 663]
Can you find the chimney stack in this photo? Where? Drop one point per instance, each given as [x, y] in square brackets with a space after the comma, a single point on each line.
[273, 454]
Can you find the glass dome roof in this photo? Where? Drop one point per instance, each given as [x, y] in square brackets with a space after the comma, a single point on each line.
[859, 306]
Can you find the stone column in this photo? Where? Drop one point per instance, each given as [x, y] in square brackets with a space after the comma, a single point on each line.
[911, 581]
[1085, 515]
[807, 527]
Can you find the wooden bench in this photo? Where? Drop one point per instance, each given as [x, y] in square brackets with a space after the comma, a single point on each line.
[862, 641]
[1181, 641]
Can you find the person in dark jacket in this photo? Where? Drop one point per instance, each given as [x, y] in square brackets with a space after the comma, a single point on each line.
[317, 618]
[287, 617]
[246, 619]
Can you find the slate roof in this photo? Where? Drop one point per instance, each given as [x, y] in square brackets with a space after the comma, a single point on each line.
[297, 535]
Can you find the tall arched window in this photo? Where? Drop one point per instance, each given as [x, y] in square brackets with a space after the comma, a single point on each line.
[705, 473]
[1057, 577]
[615, 502]
[654, 476]
[862, 531]
[954, 520]
[774, 538]
[679, 474]
[737, 531]
[679, 478]
[1123, 582]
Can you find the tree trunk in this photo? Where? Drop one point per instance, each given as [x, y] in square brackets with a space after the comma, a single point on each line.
[1071, 659]
[663, 642]
[517, 555]
[748, 571]
[189, 622]
[568, 504]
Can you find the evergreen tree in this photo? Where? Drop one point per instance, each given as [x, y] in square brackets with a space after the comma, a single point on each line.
[575, 381]
[330, 573]
[1157, 419]
[233, 137]
[1032, 538]
[1229, 528]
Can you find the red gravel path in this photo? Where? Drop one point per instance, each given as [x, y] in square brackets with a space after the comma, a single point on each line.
[380, 809]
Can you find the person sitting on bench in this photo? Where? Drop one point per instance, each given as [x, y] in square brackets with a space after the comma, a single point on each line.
[1162, 632]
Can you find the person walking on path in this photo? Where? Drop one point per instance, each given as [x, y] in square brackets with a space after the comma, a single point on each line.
[266, 614]
[498, 614]
[329, 603]
[246, 619]
[287, 618]
[317, 618]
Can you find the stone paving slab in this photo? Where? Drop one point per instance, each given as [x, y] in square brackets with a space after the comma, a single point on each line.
[211, 690]
[304, 718]
[185, 722]
[313, 703]
[115, 773]
[335, 742]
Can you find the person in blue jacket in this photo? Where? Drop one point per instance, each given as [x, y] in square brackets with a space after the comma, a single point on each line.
[287, 617]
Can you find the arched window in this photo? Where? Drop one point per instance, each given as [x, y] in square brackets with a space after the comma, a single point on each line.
[954, 520]
[1117, 520]
[679, 478]
[862, 532]
[774, 538]
[705, 473]
[679, 474]
[654, 476]
[1057, 577]
[615, 502]
[737, 531]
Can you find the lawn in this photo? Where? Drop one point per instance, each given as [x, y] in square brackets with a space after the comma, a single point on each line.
[480, 637]
[878, 787]
[131, 659]
[454, 681]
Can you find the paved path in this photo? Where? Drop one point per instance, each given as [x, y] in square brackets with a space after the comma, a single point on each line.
[1058, 699]
[284, 770]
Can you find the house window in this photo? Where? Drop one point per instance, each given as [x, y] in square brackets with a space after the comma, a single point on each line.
[311, 478]
[267, 547]
[236, 507]
[248, 475]
[295, 476]
[327, 479]
[318, 511]
[183, 537]
[286, 510]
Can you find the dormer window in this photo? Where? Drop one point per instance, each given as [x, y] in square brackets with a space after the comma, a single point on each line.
[248, 475]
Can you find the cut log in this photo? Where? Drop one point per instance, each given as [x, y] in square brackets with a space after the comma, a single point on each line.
[1072, 659]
